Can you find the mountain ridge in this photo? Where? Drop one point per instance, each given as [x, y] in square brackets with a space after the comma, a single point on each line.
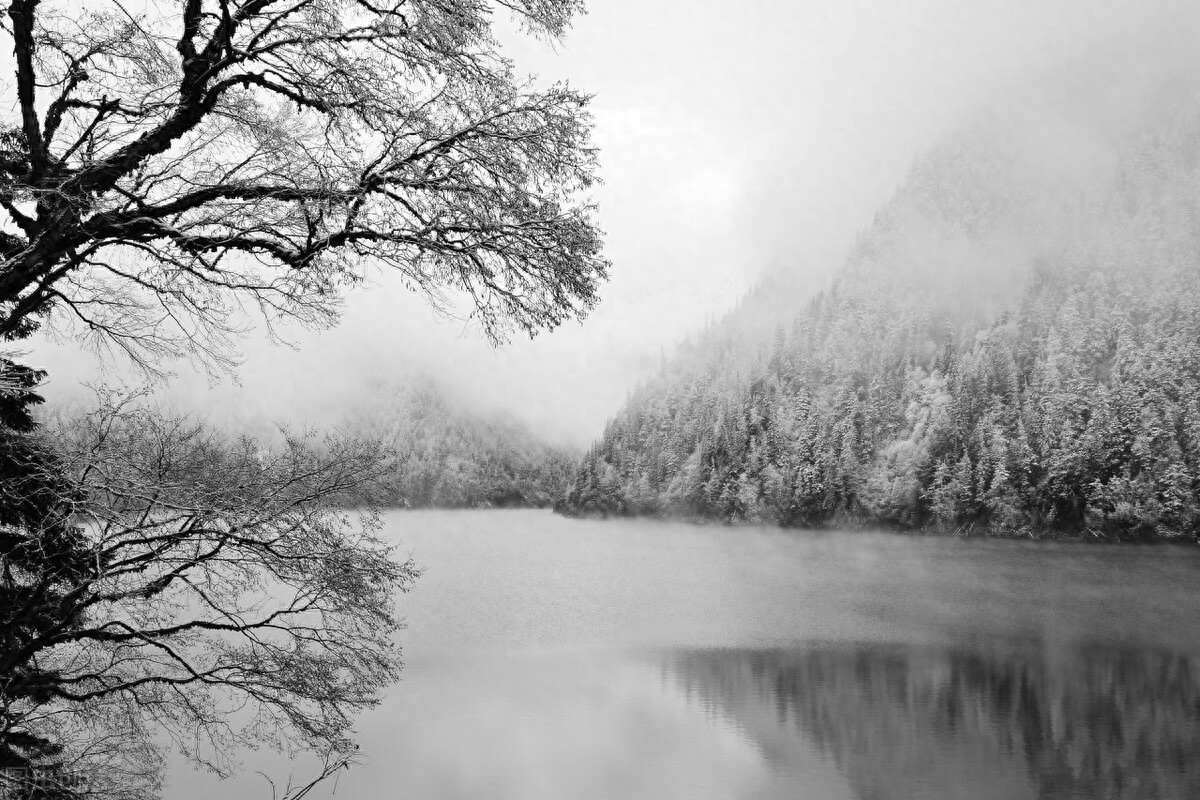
[1009, 349]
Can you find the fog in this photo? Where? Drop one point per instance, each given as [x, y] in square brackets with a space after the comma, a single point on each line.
[736, 138]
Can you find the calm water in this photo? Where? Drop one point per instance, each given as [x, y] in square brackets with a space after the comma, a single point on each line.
[552, 658]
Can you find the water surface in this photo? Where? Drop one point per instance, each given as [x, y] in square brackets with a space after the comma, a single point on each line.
[554, 658]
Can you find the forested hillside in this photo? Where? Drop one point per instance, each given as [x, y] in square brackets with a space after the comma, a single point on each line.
[1013, 347]
[445, 457]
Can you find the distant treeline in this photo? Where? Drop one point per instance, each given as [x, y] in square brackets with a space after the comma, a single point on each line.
[908, 396]
[443, 457]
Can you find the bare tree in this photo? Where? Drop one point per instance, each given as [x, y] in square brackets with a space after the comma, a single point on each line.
[186, 584]
[168, 169]
[171, 166]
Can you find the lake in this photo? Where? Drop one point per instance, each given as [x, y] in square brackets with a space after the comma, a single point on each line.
[557, 658]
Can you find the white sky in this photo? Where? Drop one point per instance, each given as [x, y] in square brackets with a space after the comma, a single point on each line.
[735, 137]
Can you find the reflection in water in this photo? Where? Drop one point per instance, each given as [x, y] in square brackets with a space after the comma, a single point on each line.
[906, 722]
[563, 725]
[536, 648]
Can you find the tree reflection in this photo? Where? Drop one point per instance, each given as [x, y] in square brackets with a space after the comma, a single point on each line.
[1018, 721]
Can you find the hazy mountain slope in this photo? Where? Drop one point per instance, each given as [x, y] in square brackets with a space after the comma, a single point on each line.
[1013, 346]
[446, 457]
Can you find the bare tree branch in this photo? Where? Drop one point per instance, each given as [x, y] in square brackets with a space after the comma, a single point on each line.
[193, 584]
[246, 149]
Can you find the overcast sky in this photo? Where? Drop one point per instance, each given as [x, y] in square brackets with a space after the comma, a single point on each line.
[735, 137]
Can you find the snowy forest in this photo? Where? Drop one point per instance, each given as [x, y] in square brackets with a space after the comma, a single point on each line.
[1009, 349]
[440, 456]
